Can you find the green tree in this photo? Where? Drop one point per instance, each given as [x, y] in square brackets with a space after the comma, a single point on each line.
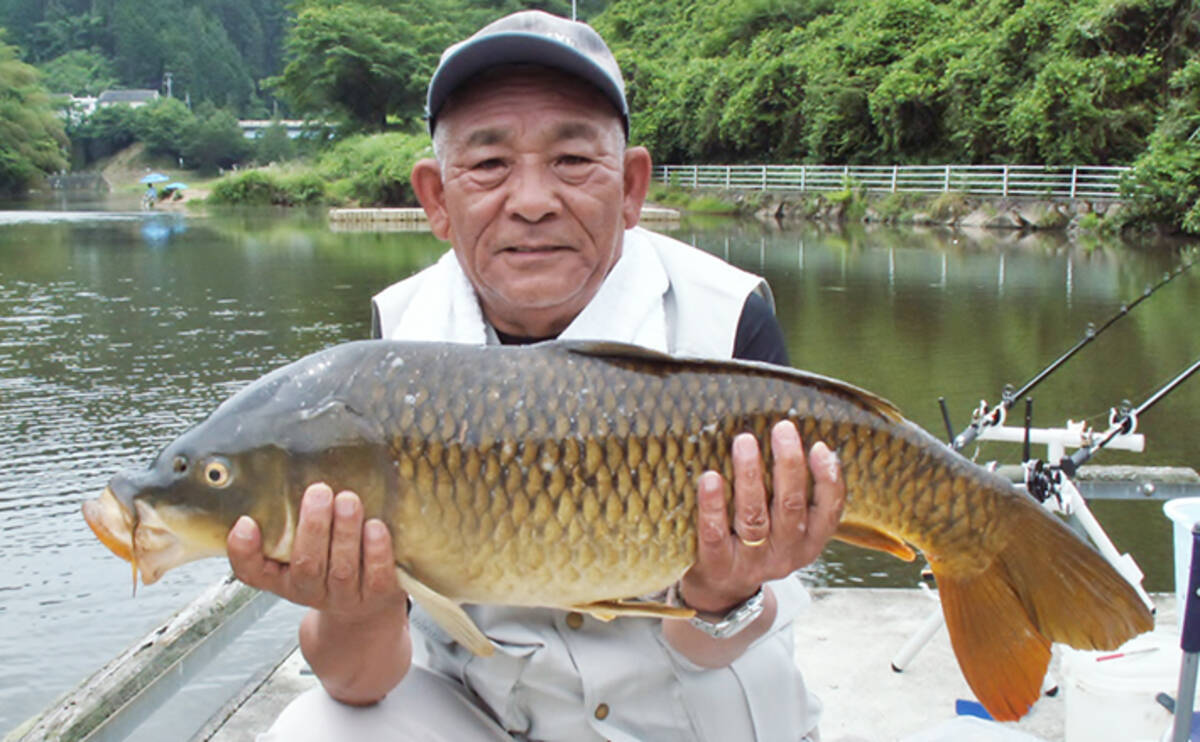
[207, 65]
[107, 131]
[65, 27]
[359, 63]
[32, 141]
[274, 145]
[1164, 185]
[163, 126]
[78, 72]
[213, 140]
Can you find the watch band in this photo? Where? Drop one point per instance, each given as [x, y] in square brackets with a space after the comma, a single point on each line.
[733, 622]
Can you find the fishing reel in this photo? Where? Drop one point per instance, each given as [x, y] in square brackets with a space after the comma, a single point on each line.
[1044, 481]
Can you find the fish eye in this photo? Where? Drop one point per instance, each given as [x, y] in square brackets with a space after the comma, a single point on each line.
[179, 464]
[216, 473]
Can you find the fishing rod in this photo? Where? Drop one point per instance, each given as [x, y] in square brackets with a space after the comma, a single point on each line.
[1043, 480]
[984, 417]
[1123, 421]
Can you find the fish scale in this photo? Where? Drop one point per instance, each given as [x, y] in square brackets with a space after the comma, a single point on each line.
[632, 411]
[564, 475]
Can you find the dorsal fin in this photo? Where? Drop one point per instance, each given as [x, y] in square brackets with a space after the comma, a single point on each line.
[625, 351]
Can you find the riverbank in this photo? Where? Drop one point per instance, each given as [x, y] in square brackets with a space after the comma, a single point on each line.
[124, 170]
[951, 209]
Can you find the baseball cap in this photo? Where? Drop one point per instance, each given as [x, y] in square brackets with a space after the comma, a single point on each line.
[529, 37]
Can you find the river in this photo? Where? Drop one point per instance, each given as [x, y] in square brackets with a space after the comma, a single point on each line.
[119, 329]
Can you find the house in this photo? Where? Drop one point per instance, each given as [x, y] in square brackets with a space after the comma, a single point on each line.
[132, 98]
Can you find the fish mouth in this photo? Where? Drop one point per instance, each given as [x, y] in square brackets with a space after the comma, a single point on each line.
[140, 538]
[111, 523]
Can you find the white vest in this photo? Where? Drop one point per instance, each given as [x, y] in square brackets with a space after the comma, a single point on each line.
[662, 294]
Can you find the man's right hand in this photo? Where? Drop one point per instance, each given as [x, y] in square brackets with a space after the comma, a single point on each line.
[338, 563]
[356, 639]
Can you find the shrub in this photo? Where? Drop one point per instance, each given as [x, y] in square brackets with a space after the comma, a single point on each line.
[949, 205]
[269, 188]
[375, 169]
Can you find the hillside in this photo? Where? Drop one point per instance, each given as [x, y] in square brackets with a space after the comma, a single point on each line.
[908, 81]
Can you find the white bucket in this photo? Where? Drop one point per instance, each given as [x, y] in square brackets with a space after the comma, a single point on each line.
[1115, 700]
[1183, 512]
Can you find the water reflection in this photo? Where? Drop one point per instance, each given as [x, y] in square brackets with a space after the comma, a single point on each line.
[917, 316]
[157, 230]
[117, 331]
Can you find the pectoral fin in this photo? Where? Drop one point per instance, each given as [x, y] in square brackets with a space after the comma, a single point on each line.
[607, 610]
[448, 614]
[870, 537]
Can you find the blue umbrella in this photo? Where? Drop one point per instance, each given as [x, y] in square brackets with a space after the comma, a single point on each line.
[154, 178]
[176, 186]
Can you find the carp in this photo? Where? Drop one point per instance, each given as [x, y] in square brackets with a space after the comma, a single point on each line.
[564, 475]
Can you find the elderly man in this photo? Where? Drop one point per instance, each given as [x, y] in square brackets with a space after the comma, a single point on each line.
[539, 197]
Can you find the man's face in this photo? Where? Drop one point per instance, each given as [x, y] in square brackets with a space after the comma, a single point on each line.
[534, 195]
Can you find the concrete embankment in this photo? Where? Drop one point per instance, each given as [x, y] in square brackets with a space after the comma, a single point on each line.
[404, 219]
[948, 209]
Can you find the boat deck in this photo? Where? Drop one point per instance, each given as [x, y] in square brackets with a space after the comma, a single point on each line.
[844, 645]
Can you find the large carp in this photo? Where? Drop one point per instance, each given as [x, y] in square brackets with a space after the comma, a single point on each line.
[564, 475]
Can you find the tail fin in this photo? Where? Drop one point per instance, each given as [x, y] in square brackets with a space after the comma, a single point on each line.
[1046, 585]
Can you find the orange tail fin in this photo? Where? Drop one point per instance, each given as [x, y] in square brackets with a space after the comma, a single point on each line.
[1047, 585]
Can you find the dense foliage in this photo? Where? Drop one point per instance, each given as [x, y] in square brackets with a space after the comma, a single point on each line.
[367, 62]
[207, 139]
[365, 169]
[1165, 184]
[908, 81]
[31, 135]
[215, 50]
[366, 58]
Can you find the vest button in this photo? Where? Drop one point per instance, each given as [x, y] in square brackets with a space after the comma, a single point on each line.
[602, 711]
[574, 620]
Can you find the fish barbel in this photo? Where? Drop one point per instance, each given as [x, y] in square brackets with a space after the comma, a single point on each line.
[564, 475]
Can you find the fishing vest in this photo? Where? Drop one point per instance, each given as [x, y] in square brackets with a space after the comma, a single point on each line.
[662, 294]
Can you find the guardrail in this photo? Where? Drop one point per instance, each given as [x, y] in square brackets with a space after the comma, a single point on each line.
[1000, 181]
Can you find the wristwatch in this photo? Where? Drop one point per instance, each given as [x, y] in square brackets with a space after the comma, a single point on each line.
[733, 622]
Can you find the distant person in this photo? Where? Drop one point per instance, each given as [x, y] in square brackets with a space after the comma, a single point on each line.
[539, 195]
[150, 197]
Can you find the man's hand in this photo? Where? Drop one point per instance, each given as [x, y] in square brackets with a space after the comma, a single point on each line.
[338, 563]
[356, 639]
[766, 541]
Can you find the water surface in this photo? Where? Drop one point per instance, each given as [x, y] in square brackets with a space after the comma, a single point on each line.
[118, 330]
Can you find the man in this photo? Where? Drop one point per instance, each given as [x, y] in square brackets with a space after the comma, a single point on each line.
[539, 197]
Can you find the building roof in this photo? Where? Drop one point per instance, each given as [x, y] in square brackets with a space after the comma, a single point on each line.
[127, 96]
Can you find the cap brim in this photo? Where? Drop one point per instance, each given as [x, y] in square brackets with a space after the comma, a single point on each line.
[517, 47]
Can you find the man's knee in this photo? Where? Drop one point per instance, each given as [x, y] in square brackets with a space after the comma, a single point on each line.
[424, 707]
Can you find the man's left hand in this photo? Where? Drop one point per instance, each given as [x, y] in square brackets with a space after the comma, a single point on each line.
[766, 541]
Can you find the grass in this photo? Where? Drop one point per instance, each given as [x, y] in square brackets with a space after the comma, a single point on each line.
[687, 200]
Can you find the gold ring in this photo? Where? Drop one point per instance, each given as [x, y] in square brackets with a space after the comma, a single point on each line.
[753, 544]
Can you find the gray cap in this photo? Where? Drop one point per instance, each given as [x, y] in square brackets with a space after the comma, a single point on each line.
[529, 37]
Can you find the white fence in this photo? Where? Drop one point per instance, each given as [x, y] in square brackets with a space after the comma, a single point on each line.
[1002, 181]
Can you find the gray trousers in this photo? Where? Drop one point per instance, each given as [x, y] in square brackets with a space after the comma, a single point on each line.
[424, 708]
